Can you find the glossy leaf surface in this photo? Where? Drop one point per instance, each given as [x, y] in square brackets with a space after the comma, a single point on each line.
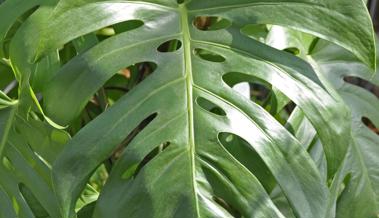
[184, 138]
[342, 71]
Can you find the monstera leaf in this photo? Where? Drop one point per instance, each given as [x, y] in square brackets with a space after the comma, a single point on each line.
[360, 171]
[344, 73]
[26, 187]
[187, 143]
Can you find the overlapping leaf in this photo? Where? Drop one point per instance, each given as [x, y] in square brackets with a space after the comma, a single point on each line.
[25, 170]
[191, 170]
[360, 195]
[340, 69]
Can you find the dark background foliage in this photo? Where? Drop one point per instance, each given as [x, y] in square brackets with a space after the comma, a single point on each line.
[374, 11]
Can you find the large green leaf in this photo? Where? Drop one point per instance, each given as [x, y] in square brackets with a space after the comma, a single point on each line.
[182, 162]
[25, 170]
[359, 175]
[360, 197]
[12, 19]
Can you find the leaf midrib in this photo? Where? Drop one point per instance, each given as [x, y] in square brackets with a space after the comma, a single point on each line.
[189, 83]
[236, 6]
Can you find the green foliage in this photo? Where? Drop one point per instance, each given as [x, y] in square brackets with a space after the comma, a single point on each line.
[194, 108]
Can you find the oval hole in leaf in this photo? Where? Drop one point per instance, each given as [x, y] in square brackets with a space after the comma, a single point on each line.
[33, 203]
[134, 169]
[208, 55]
[289, 107]
[370, 125]
[85, 42]
[235, 213]
[255, 31]
[87, 211]
[222, 192]
[170, 46]
[118, 151]
[211, 23]
[357, 81]
[117, 86]
[118, 28]
[127, 26]
[15, 26]
[67, 52]
[292, 50]
[210, 106]
[127, 78]
[247, 156]
[260, 91]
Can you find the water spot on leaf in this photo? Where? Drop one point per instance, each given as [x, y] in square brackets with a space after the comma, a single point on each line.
[208, 55]
[211, 23]
[170, 46]
[210, 106]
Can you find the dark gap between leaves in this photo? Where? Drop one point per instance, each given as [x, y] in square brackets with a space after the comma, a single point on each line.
[120, 148]
[87, 41]
[235, 213]
[134, 169]
[13, 29]
[116, 87]
[222, 195]
[33, 203]
[370, 125]
[357, 81]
